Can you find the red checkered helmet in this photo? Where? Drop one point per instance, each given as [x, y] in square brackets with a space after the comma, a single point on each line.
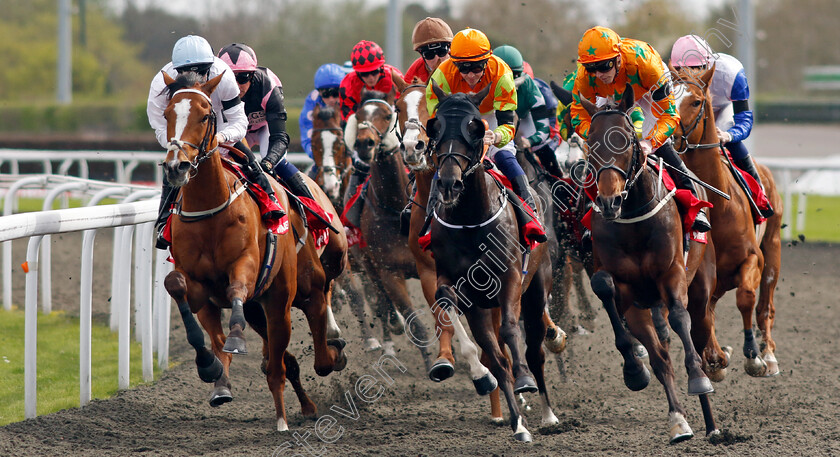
[367, 56]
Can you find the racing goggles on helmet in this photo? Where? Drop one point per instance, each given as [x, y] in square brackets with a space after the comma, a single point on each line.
[365, 74]
[202, 68]
[433, 50]
[244, 77]
[329, 92]
[599, 67]
[471, 66]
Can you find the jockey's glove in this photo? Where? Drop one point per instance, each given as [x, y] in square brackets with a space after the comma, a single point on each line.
[646, 146]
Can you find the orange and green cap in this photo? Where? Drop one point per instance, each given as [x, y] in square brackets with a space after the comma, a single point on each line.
[598, 43]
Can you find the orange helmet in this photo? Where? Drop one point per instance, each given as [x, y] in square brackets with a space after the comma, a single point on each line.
[598, 43]
[470, 45]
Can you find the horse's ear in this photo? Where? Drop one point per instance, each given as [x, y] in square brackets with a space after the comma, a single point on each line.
[438, 93]
[416, 80]
[476, 129]
[210, 86]
[565, 96]
[432, 126]
[588, 106]
[166, 78]
[398, 81]
[628, 99]
[706, 77]
[480, 96]
[674, 73]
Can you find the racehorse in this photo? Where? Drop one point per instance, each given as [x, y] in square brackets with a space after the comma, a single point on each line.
[638, 253]
[329, 152]
[748, 256]
[220, 247]
[478, 259]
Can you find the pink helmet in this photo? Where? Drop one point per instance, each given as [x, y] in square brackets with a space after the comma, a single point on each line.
[239, 57]
[690, 51]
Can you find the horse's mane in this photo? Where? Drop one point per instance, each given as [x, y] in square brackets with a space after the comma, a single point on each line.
[326, 114]
[184, 80]
[372, 94]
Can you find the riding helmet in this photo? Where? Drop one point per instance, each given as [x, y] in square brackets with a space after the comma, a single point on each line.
[430, 30]
[191, 50]
[470, 45]
[239, 57]
[598, 43]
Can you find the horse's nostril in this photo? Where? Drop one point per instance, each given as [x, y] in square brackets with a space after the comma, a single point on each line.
[458, 186]
[183, 167]
[370, 143]
[420, 146]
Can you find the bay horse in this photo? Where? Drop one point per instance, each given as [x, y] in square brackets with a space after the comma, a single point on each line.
[219, 244]
[387, 259]
[637, 240]
[748, 255]
[479, 262]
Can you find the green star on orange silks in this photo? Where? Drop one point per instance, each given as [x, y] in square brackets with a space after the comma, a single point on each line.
[605, 35]
[591, 81]
[635, 79]
[591, 50]
[640, 52]
[505, 95]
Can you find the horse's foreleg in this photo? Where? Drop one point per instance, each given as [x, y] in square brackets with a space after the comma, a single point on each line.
[353, 288]
[636, 375]
[680, 321]
[279, 327]
[236, 294]
[641, 325]
[210, 369]
[445, 299]
[210, 317]
[510, 300]
[765, 312]
[747, 282]
[534, 314]
[443, 330]
[395, 289]
[482, 329]
[308, 408]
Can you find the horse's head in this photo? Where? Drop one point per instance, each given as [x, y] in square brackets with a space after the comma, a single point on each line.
[412, 117]
[190, 125]
[614, 154]
[375, 122]
[691, 93]
[457, 131]
[328, 149]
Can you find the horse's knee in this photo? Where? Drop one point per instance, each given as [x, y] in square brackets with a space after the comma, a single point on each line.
[603, 285]
[445, 297]
[176, 284]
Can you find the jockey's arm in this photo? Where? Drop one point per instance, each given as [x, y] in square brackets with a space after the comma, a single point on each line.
[155, 106]
[234, 122]
[542, 123]
[665, 111]
[743, 116]
[305, 123]
[275, 116]
[506, 128]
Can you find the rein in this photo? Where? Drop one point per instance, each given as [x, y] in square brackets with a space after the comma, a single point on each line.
[203, 153]
[503, 204]
[332, 169]
[694, 125]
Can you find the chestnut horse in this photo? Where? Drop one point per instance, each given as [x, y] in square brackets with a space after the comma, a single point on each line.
[219, 244]
[479, 262]
[749, 257]
[638, 252]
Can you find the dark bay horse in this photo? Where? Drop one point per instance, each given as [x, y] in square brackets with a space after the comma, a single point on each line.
[386, 258]
[219, 243]
[748, 256]
[479, 262]
[639, 259]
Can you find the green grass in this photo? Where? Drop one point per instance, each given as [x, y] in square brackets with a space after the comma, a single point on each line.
[30, 204]
[58, 363]
[822, 218]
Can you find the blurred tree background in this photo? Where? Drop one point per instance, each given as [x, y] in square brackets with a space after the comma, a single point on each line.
[124, 44]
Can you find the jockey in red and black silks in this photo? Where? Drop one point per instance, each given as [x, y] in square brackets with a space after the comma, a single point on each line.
[369, 71]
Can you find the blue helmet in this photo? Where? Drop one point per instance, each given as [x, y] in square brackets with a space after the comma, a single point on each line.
[328, 75]
[192, 50]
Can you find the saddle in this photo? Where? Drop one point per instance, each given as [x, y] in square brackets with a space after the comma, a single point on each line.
[755, 193]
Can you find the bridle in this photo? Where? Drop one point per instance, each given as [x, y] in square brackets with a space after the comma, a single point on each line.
[209, 133]
[332, 169]
[636, 166]
[380, 153]
[700, 116]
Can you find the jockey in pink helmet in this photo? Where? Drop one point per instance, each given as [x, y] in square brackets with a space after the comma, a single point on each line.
[730, 97]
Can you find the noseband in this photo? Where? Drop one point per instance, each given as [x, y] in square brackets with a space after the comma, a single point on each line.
[634, 160]
[687, 132]
[380, 154]
[332, 169]
[203, 153]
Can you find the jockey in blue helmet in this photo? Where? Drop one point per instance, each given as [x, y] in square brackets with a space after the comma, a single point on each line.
[327, 80]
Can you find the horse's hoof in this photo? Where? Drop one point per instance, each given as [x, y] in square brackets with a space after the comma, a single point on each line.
[396, 322]
[282, 426]
[485, 384]
[220, 396]
[498, 421]
[640, 351]
[212, 372]
[341, 361]
[523, 437]
[755, 367]
[555, 340]
[525, 384]
[388, 349]
[441, 370]
[636, 381]
[372, 344]
[679, 429]
[699, 386]
[235, 343]
[715, 375]
[712, 433]
[772, 365]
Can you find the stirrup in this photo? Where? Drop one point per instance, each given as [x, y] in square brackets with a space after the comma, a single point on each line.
[701, 222]
[275, 213]
[160, 241]
[405, 220]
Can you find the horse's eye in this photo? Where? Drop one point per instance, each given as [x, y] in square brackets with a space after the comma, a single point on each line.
[205, 118]
[696, 103]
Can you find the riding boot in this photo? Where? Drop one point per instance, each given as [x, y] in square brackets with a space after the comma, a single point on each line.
[298, 186]
[255, 174]
[682, 181]
[167, 197]
[520, 186]
[548, 160]
[748, 165]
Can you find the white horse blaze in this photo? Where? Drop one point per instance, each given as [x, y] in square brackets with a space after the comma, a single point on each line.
[328, 139]
[412, 103]
[182, 111]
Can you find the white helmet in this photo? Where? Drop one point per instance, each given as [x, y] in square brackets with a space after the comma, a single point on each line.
[192, 50]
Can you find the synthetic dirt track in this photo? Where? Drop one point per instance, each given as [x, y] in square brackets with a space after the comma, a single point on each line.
[796, 413]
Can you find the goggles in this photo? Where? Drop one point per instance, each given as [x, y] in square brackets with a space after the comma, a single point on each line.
[471, 67]
[434, 50]
[244, 77]
[599, 67]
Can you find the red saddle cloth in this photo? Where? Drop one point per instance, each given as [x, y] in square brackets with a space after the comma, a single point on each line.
[527, 233]
[354, 234]
[758, 194]
[688, 205]
[320, 230]
[276, 225]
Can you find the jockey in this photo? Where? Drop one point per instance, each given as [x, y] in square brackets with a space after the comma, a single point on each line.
[431, 38]
[609, 63]
[369, 71]
[730, 98]
[470, 68]
[327, 80]
[262, 95]
[193, 53]
[533, 114]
